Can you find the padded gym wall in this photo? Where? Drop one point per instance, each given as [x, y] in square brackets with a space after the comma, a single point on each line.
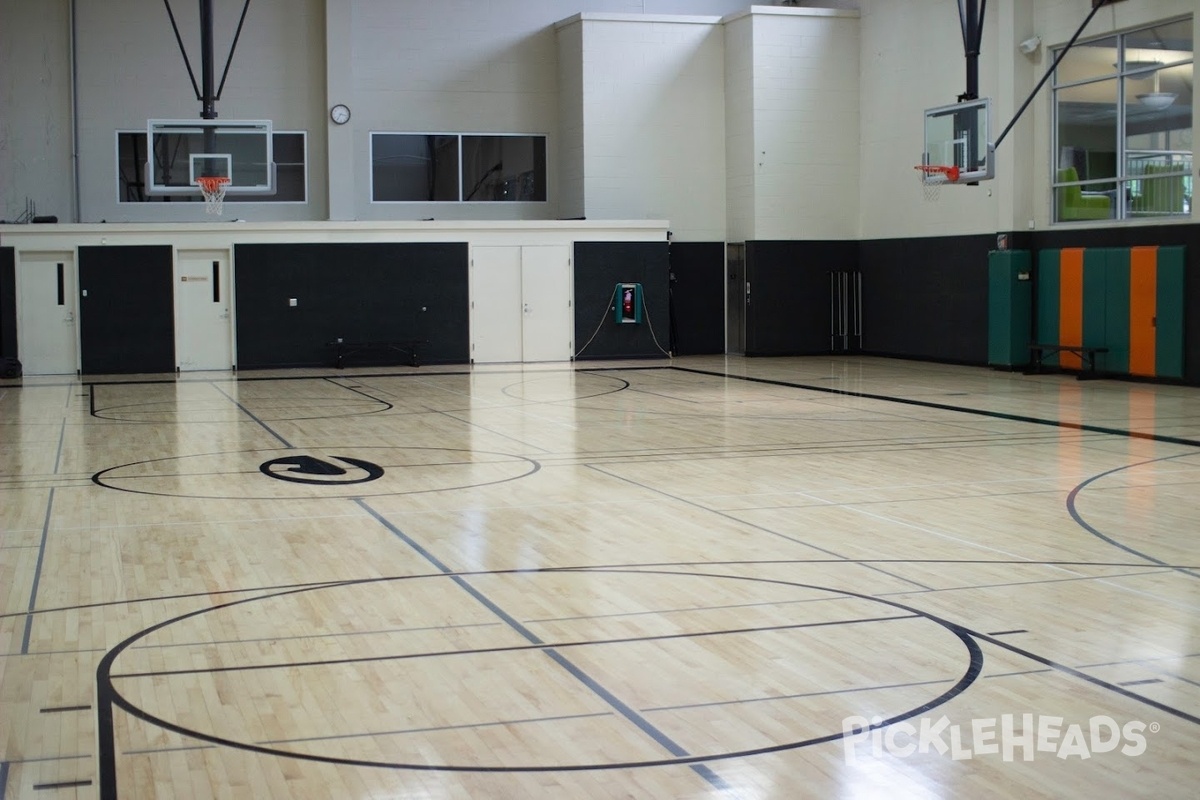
[926, 298]
[697, 298]
[8, 302]
[126, 309]
[1127, 300]
[788, 312]
[599, 267]
[377, 292]
[1139, 235]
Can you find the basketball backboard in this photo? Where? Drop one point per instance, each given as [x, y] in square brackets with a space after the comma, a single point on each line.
[959, 136]
[182, 150]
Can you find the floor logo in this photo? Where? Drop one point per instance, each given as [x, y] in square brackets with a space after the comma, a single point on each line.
[308, 469]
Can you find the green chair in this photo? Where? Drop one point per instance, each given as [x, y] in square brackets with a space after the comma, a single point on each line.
[1076, 204]
[1159, 195]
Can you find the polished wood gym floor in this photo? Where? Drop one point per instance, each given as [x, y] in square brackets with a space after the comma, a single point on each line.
[742, 578]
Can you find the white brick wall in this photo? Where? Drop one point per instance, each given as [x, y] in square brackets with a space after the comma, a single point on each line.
[35, 103]
[806, 126]
[570, 120]
[654, 134]
[739, 128]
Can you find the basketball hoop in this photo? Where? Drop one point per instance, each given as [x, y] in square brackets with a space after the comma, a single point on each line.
[213, 188]
[933, 176]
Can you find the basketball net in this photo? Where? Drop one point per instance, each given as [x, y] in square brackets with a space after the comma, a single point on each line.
[933, 176]
[213, 188]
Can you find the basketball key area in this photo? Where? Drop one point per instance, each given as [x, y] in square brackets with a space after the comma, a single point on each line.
[719, 578]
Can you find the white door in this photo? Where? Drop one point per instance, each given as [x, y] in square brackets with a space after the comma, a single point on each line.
[203, 332]
[495, 304]
[47, 337]
[548, 320]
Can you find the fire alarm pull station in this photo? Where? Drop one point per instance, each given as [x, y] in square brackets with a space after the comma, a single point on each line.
[629, 303]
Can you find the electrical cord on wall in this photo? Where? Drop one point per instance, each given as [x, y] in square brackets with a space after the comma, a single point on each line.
[612, 299]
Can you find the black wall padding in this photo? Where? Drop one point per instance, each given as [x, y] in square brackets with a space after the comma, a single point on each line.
[127, 317]
[1131, 236]
[788, 312]
[697, 298]
[370, 292]
[8, 302]
[599, 267]
[926, 298]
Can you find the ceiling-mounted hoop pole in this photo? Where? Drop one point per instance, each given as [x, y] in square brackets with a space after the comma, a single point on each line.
[233, 47]
[182, 50]
[208, 100]
[970, 16]
[1078, 32]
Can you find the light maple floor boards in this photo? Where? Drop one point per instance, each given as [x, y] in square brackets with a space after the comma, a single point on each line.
[647, 581]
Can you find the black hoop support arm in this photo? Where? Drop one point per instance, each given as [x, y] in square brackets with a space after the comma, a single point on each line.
[1049, 72]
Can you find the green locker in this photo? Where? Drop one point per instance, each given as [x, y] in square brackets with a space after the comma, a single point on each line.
[1048, 290]
[1116, 312]
[1168, 344]
[1010, 308]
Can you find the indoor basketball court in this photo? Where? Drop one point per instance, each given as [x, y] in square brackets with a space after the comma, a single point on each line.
[539, 401]
[668, 580]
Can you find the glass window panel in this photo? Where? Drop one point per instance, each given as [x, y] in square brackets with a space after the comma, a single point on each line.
[1087, 130]
[504, 168]
[1158, 142]
[414, 167]
[1088, 60]
[1165, 44]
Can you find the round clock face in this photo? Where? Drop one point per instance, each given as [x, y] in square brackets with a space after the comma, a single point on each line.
[340, 114]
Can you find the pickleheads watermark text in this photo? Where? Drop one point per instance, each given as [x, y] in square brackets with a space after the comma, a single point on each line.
[1010, 737]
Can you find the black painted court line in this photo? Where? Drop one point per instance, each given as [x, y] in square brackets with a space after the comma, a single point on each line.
[661, 612]
[36, 653]
[1149, 571]
[154, 750]
[640, 722]
[314, 636]
[437, 728]
[62, 709]
[1073, 496]
[3, 779]
[358, 390]
[535, 644]
[1018, 672]
[156, 599]
[1007, 633]
[747, 700]
[44, 759]
[1083, 676]
[251, 415]
[1056, 423]
[577, 568]
[37, 575]
[1142, 682]
[747, 523]
[61, 785]
[62, 434]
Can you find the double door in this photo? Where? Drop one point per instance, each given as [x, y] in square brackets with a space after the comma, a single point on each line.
[845, 311]
[521, 304]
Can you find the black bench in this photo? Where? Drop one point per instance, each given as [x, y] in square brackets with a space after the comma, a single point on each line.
[344, 349]
[1038, 353]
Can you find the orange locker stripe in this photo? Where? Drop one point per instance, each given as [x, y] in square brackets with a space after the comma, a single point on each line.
[1143, 304]
[1070, 304]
